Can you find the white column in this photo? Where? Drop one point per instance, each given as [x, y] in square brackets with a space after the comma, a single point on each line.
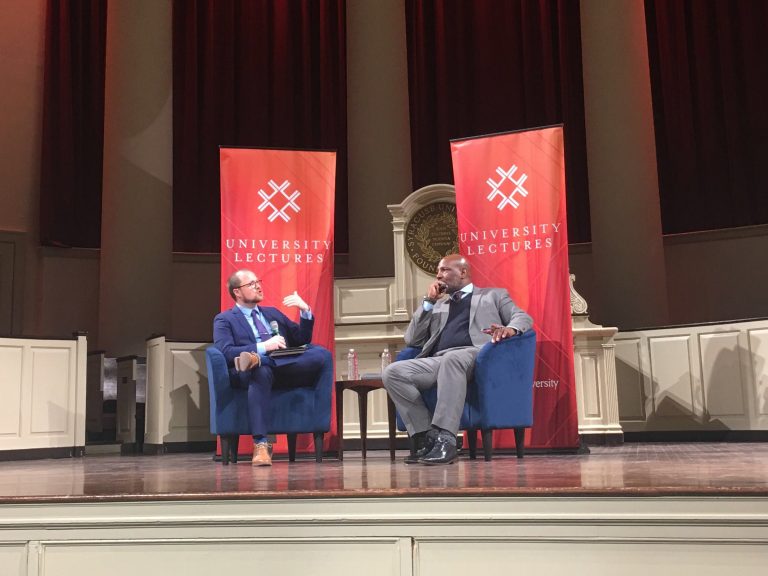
[378, 130]
[136, 236]
[627, 248]
[400, 296]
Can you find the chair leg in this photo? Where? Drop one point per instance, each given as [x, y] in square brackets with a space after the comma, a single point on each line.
[340, 418]
[392, 422]
[488, 445]
[224, 449]
[318, 446]
[472, 442]
[291, 447]
[520, 442]
[234, 444]
[362, 410]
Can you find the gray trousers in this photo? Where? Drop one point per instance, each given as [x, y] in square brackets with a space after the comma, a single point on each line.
[450, 371]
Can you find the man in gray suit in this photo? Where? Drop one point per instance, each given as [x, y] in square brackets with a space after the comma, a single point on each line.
[454, 321]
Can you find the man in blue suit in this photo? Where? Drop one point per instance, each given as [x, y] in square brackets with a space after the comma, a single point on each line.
[247, 333]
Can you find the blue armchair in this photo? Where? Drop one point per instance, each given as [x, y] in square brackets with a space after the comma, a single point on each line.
[295, 409]
[500, 395]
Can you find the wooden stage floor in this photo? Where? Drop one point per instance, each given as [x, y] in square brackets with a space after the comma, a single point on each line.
[630, 470]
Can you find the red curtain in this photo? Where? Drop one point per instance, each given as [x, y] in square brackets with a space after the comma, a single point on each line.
[73, 123]
[709, 78]
[261, 73]
[493, 66]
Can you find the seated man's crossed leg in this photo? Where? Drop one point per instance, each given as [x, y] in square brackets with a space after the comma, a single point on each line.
[262, 378]
[434, 434]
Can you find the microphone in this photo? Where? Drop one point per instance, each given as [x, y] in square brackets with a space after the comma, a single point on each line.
[274, 327]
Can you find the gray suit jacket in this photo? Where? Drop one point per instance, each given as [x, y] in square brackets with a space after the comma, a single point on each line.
[488, 306]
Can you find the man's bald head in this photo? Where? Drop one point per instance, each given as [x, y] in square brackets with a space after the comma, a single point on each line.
[458, 260]
[454, 271]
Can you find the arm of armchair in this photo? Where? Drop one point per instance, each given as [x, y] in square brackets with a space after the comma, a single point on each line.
[228, 416]
[408, 353]
[504, 382]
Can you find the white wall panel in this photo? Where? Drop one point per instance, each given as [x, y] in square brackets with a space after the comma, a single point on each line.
[634, 558]
[10, 389]
[189, 401]
[707, 377]
[42, 383]
[294, 557]
[154, 408]
[363, 300]
[671, 375]
[178, 405]
[51, 392]
[588, 364]
[13, 560]
[629, 378]
[722, 380]
[758, 348]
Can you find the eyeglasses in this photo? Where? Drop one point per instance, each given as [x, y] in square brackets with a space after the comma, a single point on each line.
[252, 285]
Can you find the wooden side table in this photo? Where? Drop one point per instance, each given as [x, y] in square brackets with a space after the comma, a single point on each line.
[361, 388]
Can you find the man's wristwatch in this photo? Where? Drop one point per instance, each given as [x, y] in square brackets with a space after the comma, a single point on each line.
[428, 300]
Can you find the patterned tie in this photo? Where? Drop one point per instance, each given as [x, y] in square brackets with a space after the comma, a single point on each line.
[456, 296]
[260, 327]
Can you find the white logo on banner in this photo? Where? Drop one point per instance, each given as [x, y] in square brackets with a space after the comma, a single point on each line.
[290, 201]
[496, 187]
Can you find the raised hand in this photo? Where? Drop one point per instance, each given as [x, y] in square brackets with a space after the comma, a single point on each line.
[435, 290]
[295, 300]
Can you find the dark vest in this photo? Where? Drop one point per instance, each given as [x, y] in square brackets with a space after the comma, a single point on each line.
[456, 331]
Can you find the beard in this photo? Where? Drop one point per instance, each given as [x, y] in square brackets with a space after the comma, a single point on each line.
[254, 300]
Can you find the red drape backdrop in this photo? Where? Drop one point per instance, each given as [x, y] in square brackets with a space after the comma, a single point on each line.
[493, 66]
[73, 123]
[709, 79]
[273, 74]
[258, 73]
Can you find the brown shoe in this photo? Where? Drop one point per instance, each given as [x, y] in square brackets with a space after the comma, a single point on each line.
[246, 361]
[261, 455]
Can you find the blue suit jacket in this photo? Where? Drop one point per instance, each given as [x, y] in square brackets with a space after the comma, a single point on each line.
[232, 334]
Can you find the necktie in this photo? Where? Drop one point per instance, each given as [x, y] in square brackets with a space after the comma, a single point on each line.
[456, 296]
[259, 325]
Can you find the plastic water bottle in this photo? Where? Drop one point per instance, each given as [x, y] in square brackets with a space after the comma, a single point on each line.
[352, 372]
[386, 359]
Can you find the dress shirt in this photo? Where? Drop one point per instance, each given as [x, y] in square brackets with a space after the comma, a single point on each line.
[466, 290]
[260, 347]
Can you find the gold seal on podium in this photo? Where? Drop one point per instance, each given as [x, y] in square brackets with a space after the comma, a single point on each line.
[431, 234]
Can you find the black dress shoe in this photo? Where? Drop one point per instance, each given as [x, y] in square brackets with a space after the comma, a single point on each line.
[443, 452]
[423, 446]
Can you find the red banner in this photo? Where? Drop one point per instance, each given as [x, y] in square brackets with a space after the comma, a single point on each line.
[510, 205]
[277, 220]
